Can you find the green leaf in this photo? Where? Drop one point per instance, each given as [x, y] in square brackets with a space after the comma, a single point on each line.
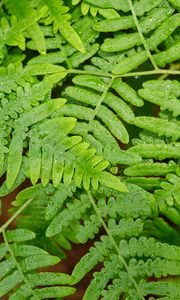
[33, 262]
[159, 126]
[41, 112]
[112, 182]
[121, 43]
[20, 235]
[130, 63]
[57, 291]
[14, 158]
[56, 10]
[114, 24]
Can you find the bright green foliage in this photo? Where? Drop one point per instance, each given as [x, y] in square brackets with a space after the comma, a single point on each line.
[169, 198]
[165, 260]
[113, 206]
[159, 126]
[58, 15]
[163, 93]
[19, 262]
[90, 148]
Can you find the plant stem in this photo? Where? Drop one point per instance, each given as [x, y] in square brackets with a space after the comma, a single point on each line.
[132, 74]
[18, 267]
[5, 225]
[141, 35]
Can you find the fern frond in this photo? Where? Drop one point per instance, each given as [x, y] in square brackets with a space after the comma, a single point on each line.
[99, 166]
[88, 262]
[123, 110]
[68, 53]
[11, 76]
[111, 122]
[53, 130]
[130, 63]
[41, 197]
[47, 202]
[16, 145]
[113, 102]
[114, 24]
[11, 33]
[58, 14]
[161, 32]
[4, 190]
[79, 163]
[148, 248]
[156, 20]
[168, 198]
[127, 92]
[98, 136]
[15, 75]
[28, 17]
[164, 93]
[64, 218]
[19, 261]
[113, 207]
[113, 268]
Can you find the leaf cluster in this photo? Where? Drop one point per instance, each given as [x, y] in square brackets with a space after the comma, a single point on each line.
[90, 147]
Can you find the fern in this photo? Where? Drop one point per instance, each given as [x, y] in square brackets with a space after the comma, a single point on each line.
[89, 148]
[19, 261]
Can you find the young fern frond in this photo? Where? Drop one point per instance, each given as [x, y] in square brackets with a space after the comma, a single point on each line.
[76, 161]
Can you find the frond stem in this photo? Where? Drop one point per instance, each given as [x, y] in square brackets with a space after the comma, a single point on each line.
[5, 225]
[131, 74]
[172, 67]
[141, 35]
[99, 103]
[64, 53]
[18, 266]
